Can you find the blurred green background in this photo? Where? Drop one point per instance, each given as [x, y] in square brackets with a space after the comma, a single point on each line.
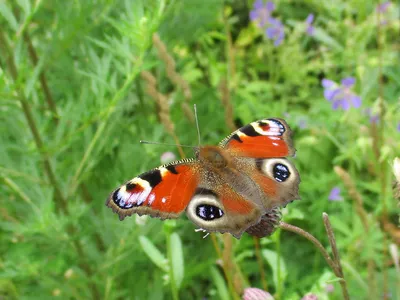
[82, 82]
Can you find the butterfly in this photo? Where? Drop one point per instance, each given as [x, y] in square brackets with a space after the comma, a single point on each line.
[234, 187]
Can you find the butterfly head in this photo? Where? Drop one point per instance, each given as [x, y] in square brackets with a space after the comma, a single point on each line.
[213, 156]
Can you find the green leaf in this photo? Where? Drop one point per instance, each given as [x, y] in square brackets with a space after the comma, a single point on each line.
[220, 283]
[337, 279]
[153, 253]
[177, 261]
[322, 36]
[6, 12]
[272, 259]
[25, 5]
[246, 36]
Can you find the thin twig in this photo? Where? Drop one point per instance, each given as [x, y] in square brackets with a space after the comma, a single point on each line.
[228, 265]
[227, 104]
[42, 78]
[174, 76]
[225, 85]
[163, 107]
[356, 196]
[382, 163]
[335, 252]
[313, 240]
[334, 264]
[260, 263]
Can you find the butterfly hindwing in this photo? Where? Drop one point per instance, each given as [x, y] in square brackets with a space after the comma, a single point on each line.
[277, 179]
[221, 209]
[162, 192]
[261, 139]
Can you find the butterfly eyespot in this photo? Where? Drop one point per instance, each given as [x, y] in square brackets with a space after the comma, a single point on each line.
[281, 172]
[209, 212]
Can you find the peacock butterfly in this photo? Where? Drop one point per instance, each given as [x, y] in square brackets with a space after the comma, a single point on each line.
[234, 187]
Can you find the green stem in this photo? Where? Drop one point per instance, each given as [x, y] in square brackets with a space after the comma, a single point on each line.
[278, 263]
[335, 252]
[174, 289]
[257, 247]
[333, 263]
[313, 240]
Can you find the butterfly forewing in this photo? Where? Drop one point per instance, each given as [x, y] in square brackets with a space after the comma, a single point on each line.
[261, 139]
[162, 192]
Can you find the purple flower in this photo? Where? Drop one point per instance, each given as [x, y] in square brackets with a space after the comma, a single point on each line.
[261, 12]
[276, 31]
[256, 294]
[310, 29]
[302, 123]
[310, 296]
[329, 288]
[398, 127]
[341, 96]
[383, 7]
[334, 195]
[373, 118]
[167, 157]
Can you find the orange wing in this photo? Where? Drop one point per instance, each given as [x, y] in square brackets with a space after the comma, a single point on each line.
[162, 192]
[261, 139]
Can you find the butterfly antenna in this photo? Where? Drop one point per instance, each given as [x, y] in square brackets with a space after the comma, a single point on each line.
[165, 144]
[197, 123]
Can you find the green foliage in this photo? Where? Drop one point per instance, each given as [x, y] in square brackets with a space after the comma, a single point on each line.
[74, 107]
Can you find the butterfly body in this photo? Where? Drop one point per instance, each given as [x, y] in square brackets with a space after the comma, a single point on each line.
[227, 188]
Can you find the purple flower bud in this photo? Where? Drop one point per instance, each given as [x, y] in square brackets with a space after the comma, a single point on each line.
[261, 13]
[329, 288]
[167, 157]
[302, 123]
[383, 7]
[348, 81]
[326, 83]
[256, 294]
[309, 20]
[334, 195]
[373, 118]
[310, 296]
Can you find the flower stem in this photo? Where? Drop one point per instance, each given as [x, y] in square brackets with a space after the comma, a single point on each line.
[260, 263]
[333, 263]
[335, 253]
[312, 239]
[174, 289]
[225, 268]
